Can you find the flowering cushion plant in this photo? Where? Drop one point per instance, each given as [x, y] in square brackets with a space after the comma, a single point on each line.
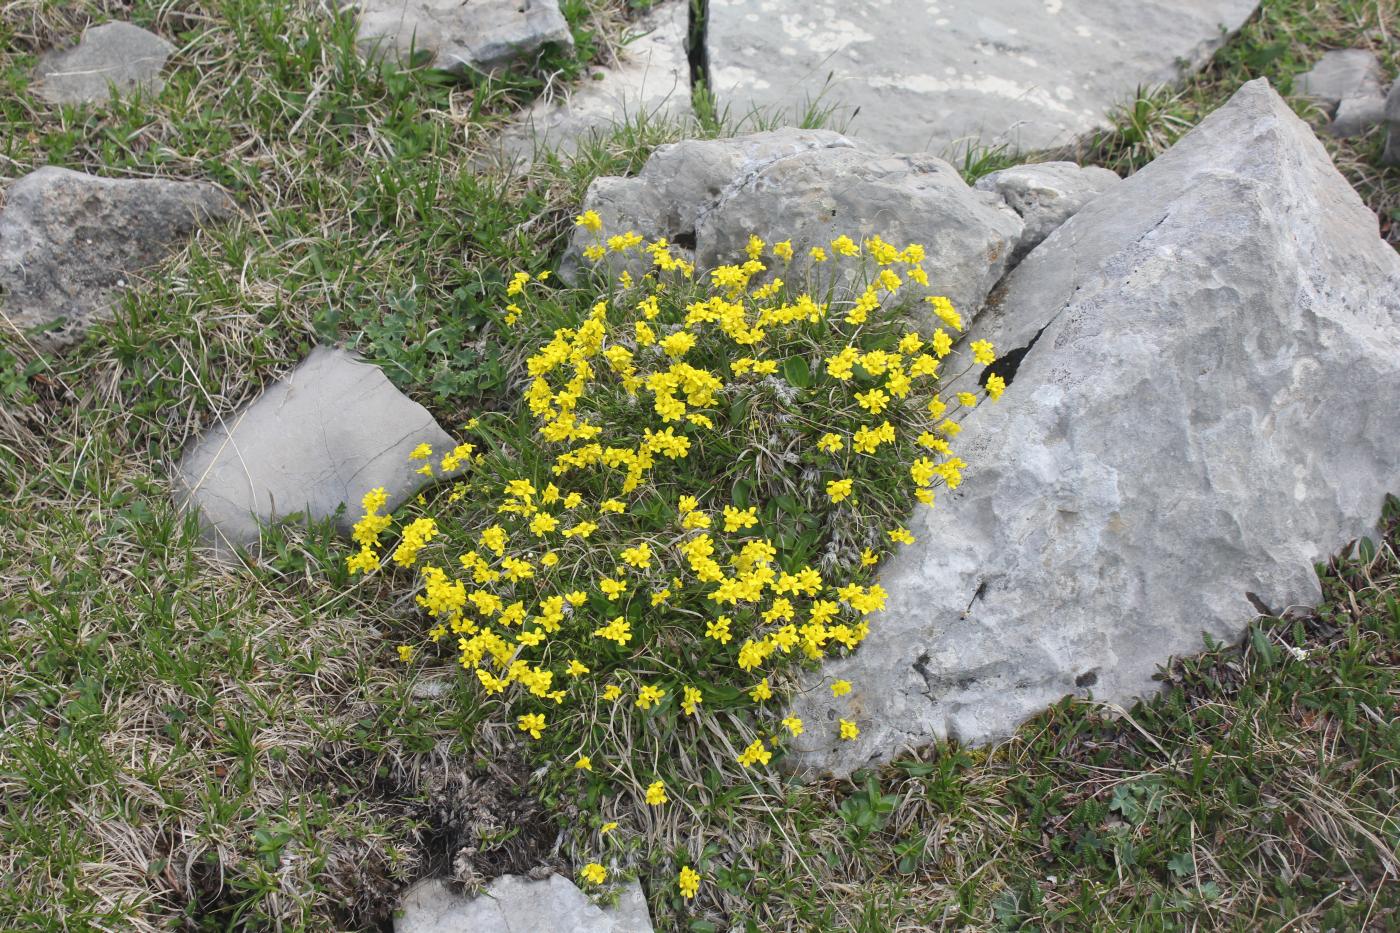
[709, 470]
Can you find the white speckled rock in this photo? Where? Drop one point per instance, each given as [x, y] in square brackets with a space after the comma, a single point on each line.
[929, 75]
[651, 78]
[1045, 195]
[69, 242]
[482, 34]
[1208, 403]
[113, 55]
[808, 186]
[511, 904]
[322, 436]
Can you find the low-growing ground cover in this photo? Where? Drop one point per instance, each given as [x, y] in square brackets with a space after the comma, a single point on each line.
[190, 744]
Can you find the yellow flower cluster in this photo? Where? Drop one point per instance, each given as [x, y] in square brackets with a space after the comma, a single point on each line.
[587, 549]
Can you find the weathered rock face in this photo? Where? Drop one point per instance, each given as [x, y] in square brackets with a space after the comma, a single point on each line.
[651, 78]
[809, 186]
[1045, 195]
[1347, 85]
[1207, 403]
[322, 436]
[482, 35]
[511, 904]
[925, 75]
[69, 241]
[116, 55]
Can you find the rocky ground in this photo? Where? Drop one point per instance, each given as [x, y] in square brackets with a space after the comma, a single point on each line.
[250, 255]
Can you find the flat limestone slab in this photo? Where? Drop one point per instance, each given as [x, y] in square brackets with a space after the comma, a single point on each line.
[116, 55]
[460, 34]
[322, 436]
[1207, 403]
[651, 78]
[512, 904]
[931, 75]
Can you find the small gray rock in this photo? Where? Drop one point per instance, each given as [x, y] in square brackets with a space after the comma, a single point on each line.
[1339, 75]
[114, 55]
[1045, 195]
[1391, 156]
[321, 437]
[69, 242]
[1207, 403]
[512, 904]
[651, 79]
[1356, 115]
[481, 35]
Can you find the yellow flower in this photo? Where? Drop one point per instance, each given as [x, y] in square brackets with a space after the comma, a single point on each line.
[783, 250]
[612, 505]
[405, 653]
[421, 452]
[607, 828]
[982, 353]
[901, 536]
[611, 588]
[831, 443]
[739, 519]
[612, 692]
[584, 763]
[589, 220]
[845, 246]
[689, 882]
[648, 696]
[868, 558]
[817, 253]
[594, 873]
[756, 753]
[840, 688]
[873, 401]
[532, 723]
[761, 691]
[754, 247]
[967, 399]
[839, 490]
[849, 730]
[995, 386]
[656, 793]
[639, 556]
[793, 724]
[719, 630]
[576, 668]
[594, 253]
[692, 698]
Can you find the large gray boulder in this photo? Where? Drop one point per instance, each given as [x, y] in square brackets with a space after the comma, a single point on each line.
[482, 35]
[650, 81]
[1045, 195]
[809, 187]
[69, 242]
[512, 904]
[321, 437]
[114, 55]
[1206, 403]
[931, 75]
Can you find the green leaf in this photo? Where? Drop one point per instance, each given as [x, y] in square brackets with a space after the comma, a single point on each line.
[795, 370]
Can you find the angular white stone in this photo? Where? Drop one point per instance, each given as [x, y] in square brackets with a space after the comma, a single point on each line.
[481, 34]
[1208, 405]
[1045, 195]
[324, 435]
[651, 79]
[116, 55]
[512, 904]
[929, 76]
[69, 242]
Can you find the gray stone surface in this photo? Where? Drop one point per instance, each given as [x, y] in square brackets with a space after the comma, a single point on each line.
[116, 55]
[808, 186]
[651, 78]
[1045, 195]
[1209, 403]
[1391, 155]
[322, 436]
[69, 242]
[482, 35]
[931, 75]
[1338, 75]
[1356, 115]
[511, 904]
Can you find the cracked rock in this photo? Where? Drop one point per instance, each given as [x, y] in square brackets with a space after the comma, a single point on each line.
[69, 242]
[512, 904]
[483, 35]
[1212, 406]
[1347, 85]
[113, 55]
[321, 437]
